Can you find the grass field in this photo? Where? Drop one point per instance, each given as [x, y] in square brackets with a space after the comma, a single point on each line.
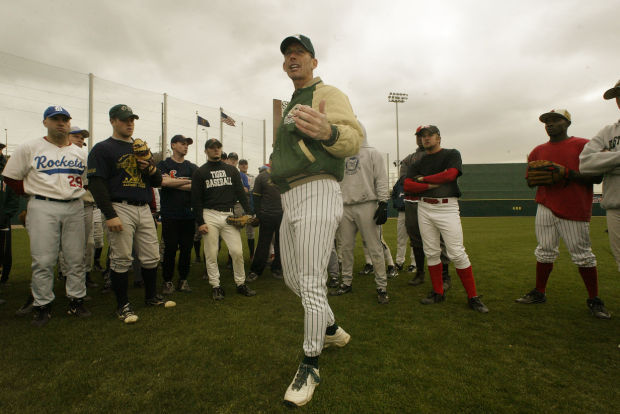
[238, 356]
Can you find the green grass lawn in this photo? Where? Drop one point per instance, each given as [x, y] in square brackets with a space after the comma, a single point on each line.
[239, 355]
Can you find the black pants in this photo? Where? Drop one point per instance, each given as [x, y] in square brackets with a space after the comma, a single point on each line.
[269, 226]
[177, 235]
[6, 254]
[413, 231]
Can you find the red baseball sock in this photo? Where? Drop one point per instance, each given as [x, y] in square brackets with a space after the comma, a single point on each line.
[436, 279]
[590, 278]
[467, 279]
[543, 270]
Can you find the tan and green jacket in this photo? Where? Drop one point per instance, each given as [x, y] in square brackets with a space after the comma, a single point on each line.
[297, 158]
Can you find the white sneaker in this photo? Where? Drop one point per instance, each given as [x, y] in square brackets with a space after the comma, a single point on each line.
[339, 339]
[301, 389]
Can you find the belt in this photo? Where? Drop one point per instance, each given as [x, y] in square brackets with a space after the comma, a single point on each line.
[131, 202]
[431, 200]
[223, 210]
[38, 197]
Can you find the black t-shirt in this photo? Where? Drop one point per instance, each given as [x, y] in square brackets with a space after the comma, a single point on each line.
[217, 185]
[269, 195]
[113, 160]
[175, 203]
[435, 163]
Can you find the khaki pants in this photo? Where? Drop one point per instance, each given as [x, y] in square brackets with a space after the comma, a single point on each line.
[139, 233]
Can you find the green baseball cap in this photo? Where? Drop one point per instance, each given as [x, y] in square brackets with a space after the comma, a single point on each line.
[299, 38]
[122, 112]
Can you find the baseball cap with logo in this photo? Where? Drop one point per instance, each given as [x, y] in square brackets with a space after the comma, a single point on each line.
[181, 138]
[427, 128]
[77, 130]
[213, 143]
[563, 113]
[55, 110]
[122, 112]
[304, 40]
[613, 92]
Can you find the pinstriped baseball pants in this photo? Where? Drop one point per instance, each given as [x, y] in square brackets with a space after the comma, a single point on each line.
[576, 236]
[312, 212]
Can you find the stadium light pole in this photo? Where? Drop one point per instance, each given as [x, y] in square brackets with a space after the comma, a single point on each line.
[397, 98]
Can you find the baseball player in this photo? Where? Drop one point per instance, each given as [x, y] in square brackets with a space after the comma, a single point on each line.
[318, 130]
[398, 201]
[52, 172]
[177, 218]
[268, 208]
[564, 210]
[365, 195]
[121, 185]
[602, 156]
[433, 179]
[216, 186]
[413, 228]
[9, 204]
[248, 184]
[77, 137]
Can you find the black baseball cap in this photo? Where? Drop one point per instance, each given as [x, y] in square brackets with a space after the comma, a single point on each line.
[233, 155]
[212, 142]
[299, 38]
[181, 138]
[427, 128]
[122, 112]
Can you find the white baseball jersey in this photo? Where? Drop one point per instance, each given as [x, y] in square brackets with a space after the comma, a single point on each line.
[48, 170]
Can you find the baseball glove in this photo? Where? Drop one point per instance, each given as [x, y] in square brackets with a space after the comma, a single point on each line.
[142, 152]
[238, 222]
[543, 172]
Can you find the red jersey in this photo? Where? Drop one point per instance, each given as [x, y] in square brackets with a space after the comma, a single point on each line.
[572, 201]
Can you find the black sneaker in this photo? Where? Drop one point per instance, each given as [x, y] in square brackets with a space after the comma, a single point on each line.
[277, 274]
[382, 297]
[476, 304]
[158, 300]
[183, 286]
[77, 308]
[433, 297]
[42, 315]
[333, 281]
[417, 280]
[245, 290]
[399, 267]
[251, 277]
[218, 293]
[411, 268]
[26, 308]
[342, 290]
[597, 307]
[392, 273]
[126, 314]
[368, 269]
[532, 297]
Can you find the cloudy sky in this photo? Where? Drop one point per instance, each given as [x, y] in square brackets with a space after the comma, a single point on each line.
[483, 71]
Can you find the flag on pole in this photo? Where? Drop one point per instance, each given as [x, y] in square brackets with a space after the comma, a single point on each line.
[202, 121]
[226, 119]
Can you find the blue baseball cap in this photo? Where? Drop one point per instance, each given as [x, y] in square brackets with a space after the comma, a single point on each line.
[55, 110]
